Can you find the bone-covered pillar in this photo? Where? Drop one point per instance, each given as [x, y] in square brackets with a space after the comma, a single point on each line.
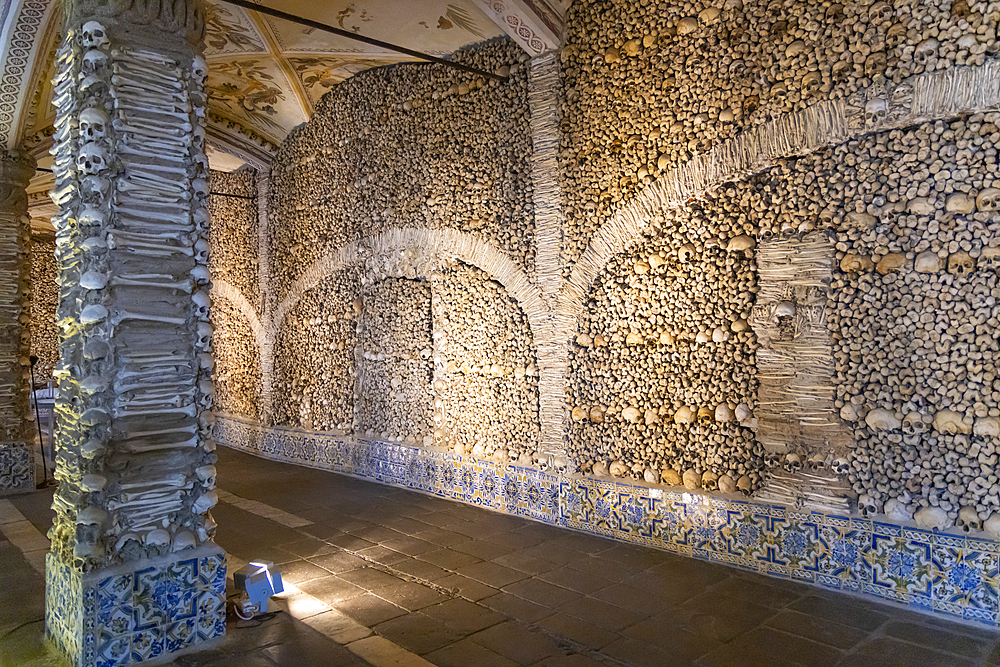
[134, 574]
[17, 461]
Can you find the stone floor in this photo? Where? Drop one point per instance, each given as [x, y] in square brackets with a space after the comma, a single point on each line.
[381, 576]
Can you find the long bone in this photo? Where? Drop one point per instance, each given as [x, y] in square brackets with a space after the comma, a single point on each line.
[122, 315]
[153, 245]
[150, 447]
[164, 191]
[156, 86]
[189, 430]
[129, 95]
[184, 238]
[126, 108]
[182, 285]
[126, 67]
[150, 127]
[153, 171]
[154, 151]
[132, 54]
[188, 410]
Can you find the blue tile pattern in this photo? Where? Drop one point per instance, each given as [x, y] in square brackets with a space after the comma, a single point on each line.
[100, 619]
[953, 576]
[17, 468]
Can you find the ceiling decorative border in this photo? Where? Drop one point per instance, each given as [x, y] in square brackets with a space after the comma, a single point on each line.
[22, 24]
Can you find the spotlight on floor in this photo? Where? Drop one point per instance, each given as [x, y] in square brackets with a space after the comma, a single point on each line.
[257, 582]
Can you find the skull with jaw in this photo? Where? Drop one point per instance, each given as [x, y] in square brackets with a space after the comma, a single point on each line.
[92, 159]
[93, 124]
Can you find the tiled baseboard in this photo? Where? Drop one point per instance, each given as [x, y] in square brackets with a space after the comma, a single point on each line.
[17, 468]
[141, 612]
[953, 576]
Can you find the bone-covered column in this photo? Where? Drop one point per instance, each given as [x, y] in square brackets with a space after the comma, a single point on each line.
[135, 459]
[17, 461]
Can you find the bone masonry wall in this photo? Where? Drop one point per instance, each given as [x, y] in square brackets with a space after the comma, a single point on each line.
[777, 235]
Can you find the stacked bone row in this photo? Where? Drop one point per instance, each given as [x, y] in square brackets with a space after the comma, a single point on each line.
[44, 297]
[648, 86]
[393, 394]
[410, 146]
[315, 356]
[135, 459]
[663, 370]
[485, 377]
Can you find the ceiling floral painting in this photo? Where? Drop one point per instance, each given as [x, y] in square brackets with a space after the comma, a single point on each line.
[268, 74]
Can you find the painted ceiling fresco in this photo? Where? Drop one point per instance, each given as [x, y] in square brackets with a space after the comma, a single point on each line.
[267, 74]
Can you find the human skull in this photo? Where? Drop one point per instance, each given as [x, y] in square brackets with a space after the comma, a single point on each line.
[708, 16]
[811, 83]
[745, 485]
[880, 13]
[202, 303]
[94, 61]
[856, 264]
[987, 427]
[875, 65]
[932, 518]
[199, 69]
[989, 259]
[692, 480]
[687, 25]
[784, 311]
[92, 159]
[779, 91]
[869, 505]
[710, 481]
[925, 52]
[793, 461]
[894, 261]
[723, 413]
[840, 466]
[968, 520]
[93, 124]
[876, 112]
[93, 35]
[706, 415]
[961, 264]
[913, 424]
[949, 421]
[201, 251]
[988, 199]
[895, 35]
[204, 340]
[684, 415]
[206, 475]
[840, 70]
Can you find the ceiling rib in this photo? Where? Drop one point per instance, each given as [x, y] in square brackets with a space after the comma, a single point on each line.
[276, 13]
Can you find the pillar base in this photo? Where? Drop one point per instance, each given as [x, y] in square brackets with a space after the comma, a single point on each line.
[17, 468]
[143, 612]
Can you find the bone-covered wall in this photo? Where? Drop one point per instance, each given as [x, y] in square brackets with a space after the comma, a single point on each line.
[487, 378]
[44, 298]
[315, 363]
[234, 261]
[407, 146]
[813, 328]
[233, 231]
[649, 85]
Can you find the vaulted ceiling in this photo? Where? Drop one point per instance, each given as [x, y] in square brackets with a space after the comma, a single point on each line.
[268, 74]
[265, 74]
